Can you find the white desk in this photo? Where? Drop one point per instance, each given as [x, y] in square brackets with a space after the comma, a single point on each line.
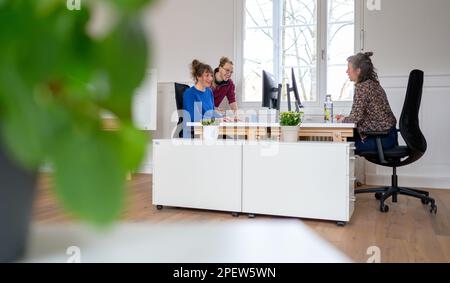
[262, 124]
[338, 132]
[243, 241]
[306, 179]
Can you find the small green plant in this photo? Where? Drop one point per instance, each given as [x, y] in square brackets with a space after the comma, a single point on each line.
[291, 118]
[208, 122]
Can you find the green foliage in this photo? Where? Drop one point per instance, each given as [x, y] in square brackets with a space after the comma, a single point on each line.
[291, 118]
[55, 81]
[208, 122]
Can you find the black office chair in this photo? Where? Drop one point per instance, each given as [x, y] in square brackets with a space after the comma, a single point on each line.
[398, 156]
[179, 91]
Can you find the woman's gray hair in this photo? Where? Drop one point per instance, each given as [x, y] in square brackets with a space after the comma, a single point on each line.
[363, 62]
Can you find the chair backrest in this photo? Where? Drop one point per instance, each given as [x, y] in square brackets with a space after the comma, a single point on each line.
[409, 119]
[179, 91]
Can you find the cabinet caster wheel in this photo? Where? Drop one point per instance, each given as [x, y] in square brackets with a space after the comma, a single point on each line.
[433, 209]
[251, 216]
[384, 208]
[425, 201]
[235, 214]
[341, 223]
[378, 196]
[159, 207]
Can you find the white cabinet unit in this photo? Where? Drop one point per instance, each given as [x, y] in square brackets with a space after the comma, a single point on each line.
[305, 180]
[308, 180]
[197, 175]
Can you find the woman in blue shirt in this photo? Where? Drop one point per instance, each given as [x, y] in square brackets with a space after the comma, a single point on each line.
[198, 101]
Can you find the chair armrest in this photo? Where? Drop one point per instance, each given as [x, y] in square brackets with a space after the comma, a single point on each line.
[380, 150]
[374, 134]
[378, 136]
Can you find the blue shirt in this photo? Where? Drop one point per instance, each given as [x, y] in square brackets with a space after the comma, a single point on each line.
[198, 105]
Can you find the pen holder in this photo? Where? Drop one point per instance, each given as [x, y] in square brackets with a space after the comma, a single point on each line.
[289, 133]
[210, 133]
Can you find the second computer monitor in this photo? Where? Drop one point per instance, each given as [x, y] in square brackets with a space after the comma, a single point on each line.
[298, 103]
[271, 93]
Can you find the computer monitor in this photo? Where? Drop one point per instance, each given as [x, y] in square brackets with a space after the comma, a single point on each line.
[271, 95]
[298, 103]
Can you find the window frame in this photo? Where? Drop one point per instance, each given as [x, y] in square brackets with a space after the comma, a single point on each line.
[311, 108]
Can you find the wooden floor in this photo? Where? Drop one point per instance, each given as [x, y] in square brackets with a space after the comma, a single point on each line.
[408, 233]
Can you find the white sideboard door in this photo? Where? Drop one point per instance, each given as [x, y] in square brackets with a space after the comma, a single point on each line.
[307, 180]
[197, 176]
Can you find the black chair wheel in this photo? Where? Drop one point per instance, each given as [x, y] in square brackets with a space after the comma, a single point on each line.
[235, 214]
[251, 216]
[425, 201]
[384, 208]
[433, 209]
[341, 223]
[159, 207]
[378, 196]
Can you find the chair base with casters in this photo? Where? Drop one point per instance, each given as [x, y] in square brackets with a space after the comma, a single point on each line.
[394, 157]
[384, 193]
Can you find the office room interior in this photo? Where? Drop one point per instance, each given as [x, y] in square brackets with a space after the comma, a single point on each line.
[103, 169]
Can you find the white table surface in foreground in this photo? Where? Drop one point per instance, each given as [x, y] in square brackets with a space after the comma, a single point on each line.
[234, 241]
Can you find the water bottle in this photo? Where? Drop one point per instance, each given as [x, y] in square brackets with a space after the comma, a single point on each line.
[328, 109]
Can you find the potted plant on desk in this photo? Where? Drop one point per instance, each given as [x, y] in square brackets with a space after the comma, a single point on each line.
[290, 125]
[56, 79]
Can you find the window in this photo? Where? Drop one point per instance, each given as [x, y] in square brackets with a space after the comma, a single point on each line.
[340, 45]
[314, 37]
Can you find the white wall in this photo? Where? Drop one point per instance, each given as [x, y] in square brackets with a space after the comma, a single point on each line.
[405, 35]
[409, 34]
[184, 30]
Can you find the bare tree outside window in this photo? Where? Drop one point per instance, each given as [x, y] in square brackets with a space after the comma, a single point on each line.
[258, 46]
[341, 41]
[298, 45]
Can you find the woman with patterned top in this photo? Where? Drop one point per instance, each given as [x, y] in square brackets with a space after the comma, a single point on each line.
[370, 111]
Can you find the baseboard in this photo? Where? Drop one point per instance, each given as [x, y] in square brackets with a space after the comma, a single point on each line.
[145, 169]
[410, 181]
